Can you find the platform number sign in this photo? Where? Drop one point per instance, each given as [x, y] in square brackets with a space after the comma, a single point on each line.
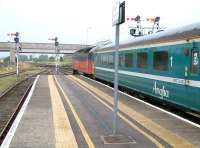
[118, 12]
[115, 12]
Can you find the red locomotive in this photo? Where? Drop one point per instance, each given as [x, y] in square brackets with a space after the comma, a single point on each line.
[83, 62]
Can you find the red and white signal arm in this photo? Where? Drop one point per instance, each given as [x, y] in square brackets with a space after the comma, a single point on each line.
[11, 34]
[151, 20]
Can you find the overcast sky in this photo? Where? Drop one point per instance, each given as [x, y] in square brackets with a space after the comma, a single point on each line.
[37, 20]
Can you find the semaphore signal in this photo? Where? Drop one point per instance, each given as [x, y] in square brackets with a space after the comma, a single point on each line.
[57, 51]
[12, 34]
[139, 30]
[17, 48]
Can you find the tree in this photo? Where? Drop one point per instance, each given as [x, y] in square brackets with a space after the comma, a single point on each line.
[35, 60]
[43, 58]
[6, 60]
[51, 59]
[61, 59]
[23, 58]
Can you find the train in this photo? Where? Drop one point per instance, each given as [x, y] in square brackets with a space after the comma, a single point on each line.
[83, 62]
[164, 65]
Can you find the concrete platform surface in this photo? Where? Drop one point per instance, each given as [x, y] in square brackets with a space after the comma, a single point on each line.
[72, 111]
[36, 126]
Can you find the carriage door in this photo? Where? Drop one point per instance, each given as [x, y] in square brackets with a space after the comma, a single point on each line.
[194, 70]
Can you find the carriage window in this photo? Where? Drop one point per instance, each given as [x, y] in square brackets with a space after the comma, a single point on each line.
[160, 60]
[110, 60]
[128, 60]
[98, 59]
[104, 59]
[121, 60]
[101, 59]
[195, 62]
[142, 60]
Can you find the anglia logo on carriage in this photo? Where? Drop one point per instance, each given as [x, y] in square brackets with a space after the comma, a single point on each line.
[160, 91]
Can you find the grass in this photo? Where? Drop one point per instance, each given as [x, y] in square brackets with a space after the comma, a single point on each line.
[9, 81]
[12, 68]
[32, 71]
[28, 68]
[7, 69]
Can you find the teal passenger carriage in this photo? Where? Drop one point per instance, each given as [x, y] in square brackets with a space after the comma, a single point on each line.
[163, 65]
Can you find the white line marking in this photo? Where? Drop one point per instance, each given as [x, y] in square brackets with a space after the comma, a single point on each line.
[155, 77]
[169, 113]
[11, 132]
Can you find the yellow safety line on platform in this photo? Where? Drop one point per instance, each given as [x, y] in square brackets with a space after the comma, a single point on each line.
[78, 120]
[170, 137]
[121, 116]
[64, 135]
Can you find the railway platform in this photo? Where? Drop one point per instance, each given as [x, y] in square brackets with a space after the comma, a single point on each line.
[74, 111]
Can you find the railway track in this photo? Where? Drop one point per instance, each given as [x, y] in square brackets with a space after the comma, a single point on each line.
[7, 74]
[67, 70]
[10, 73]
[11, 102]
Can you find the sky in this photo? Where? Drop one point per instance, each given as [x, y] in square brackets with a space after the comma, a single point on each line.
[73, 20]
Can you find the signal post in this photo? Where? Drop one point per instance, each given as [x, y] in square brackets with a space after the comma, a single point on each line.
[56, 52]
[17, 48]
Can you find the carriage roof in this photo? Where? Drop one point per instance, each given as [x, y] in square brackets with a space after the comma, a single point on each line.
[187, 33]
